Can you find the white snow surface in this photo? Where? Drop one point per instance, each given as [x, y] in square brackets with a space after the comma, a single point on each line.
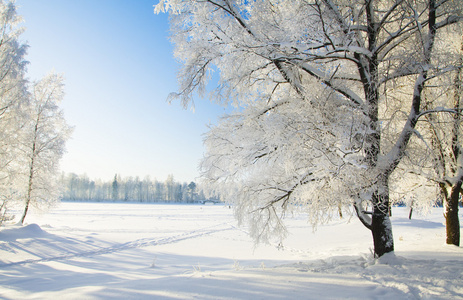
[154, 251]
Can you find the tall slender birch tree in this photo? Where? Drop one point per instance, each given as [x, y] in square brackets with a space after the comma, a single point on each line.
[43, 143]
[313, 81]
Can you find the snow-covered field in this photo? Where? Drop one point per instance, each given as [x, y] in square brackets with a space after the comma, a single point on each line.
[149, 251]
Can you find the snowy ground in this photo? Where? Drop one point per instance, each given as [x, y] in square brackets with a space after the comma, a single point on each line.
[148, 251]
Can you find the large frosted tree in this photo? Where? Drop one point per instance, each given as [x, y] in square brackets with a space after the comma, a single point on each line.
[323, 115]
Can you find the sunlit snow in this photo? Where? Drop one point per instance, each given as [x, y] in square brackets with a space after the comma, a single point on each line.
[153, 251]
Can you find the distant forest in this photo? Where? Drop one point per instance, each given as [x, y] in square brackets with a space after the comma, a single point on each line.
[130, 189]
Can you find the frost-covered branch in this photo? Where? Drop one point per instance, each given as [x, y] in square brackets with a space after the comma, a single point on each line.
[230, 9]
[439, 110]
[343, 90]
[363, 215]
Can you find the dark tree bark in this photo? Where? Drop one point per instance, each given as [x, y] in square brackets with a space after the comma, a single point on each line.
[411, 211]
[381, 227]
[452, 221]
[382, 232]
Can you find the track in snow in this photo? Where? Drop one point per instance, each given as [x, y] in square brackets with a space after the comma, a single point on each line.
[140, 243]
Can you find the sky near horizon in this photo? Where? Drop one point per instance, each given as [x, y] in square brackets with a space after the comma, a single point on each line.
[119, 68]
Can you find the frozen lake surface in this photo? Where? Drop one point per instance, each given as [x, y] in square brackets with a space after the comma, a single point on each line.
[156, 251]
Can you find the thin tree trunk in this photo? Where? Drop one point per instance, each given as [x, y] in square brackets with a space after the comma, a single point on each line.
[411, 211]
[3, 210]
[29, 193]
[31, 172]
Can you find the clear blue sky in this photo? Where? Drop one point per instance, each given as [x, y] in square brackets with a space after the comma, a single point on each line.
[119, 69]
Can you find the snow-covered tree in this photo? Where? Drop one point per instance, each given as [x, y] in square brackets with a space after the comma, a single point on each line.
[12, 99]
[190, 191]
[448, 150]
[169, 188]
[322, 117]
[43, 139]
[115, 188]
[437, 150]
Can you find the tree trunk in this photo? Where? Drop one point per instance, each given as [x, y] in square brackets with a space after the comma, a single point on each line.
[29, 192]
[31, 172]
[381, 227]
[411, 211]
[452, 222]
[26, 208]
[379, 224]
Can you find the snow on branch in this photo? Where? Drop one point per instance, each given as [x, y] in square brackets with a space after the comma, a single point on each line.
[448, 21]
[337, 15]
[439, 110]
[362, 214]
[349, 49]
[229, 8]
[343, 90]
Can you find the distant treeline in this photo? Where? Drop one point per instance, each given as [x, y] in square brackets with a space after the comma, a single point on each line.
[130, 189]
